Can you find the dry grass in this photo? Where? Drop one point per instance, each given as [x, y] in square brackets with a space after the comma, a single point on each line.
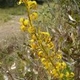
[6, 13]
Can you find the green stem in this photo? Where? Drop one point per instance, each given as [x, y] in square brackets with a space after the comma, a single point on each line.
[28, 10]
[46, 53]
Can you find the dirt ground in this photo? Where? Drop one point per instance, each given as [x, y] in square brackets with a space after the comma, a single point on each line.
[10, 29]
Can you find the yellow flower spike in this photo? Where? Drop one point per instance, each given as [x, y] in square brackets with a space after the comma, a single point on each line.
[41, 42]
[32, 4]
[71, 74]
[31, 30]
[26, 22]
[21, 20]
[34, 16]
[23, 28]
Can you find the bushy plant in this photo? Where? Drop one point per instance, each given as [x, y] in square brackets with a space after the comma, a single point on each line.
[43, 47]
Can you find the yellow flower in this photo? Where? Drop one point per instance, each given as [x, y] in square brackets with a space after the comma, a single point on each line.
[44, 36]
[32, 4]
[59, 56]
[43, 60]
[48, 39]
[61, 75]
[58, 66]
[40, 53]
[71, 74]
[20, 1]
[23, 28]
[63, 65]
[45, 33]
[31, 29]
[67, 74]
[26, 22]
[21, 20]
[33, 37]
[47, 65]
[50, 45]
[34, 46]
[32, 40]
[34, 16]
[54, 73]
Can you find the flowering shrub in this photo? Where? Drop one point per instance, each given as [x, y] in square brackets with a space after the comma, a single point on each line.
[43, 47]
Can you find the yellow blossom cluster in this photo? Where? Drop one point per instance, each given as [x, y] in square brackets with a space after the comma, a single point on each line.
[41, 43]
[26, 24]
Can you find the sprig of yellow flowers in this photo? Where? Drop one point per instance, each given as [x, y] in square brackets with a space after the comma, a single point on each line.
[41, 43]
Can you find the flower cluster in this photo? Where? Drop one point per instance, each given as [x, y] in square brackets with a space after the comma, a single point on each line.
[41, 43]
[26, 24]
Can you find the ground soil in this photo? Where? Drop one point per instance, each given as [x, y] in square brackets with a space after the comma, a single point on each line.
[10, 28]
